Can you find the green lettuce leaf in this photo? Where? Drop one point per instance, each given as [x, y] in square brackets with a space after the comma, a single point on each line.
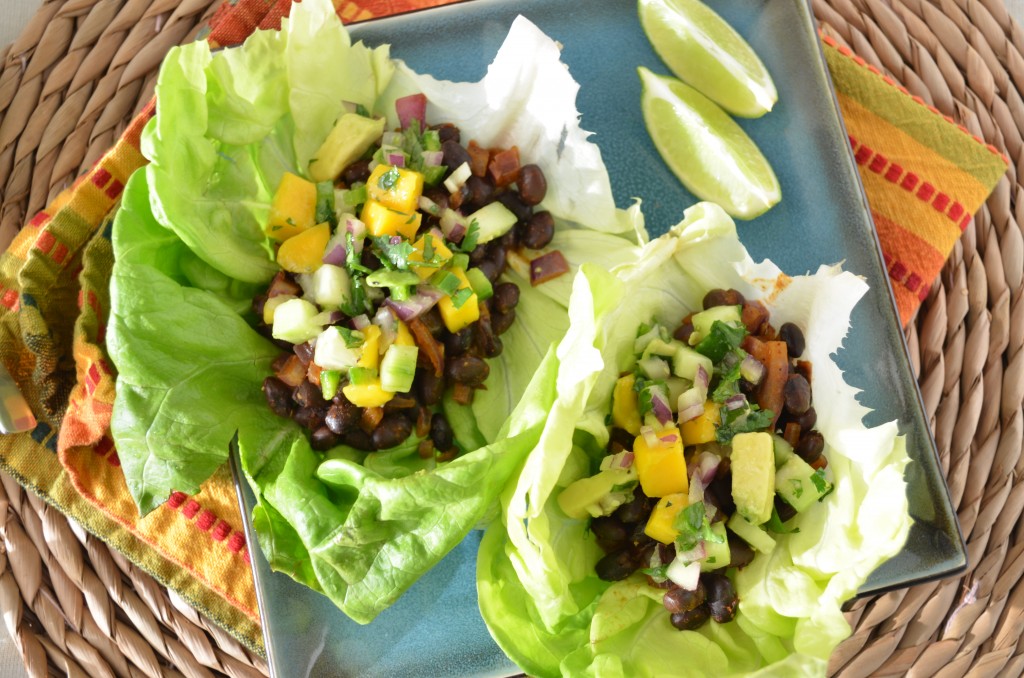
[538, 592]
[191, 253]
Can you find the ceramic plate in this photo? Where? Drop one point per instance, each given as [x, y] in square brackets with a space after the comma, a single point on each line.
[436, 629]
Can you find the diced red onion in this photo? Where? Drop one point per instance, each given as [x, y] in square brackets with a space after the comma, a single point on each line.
[388, 328]
[411, 107]
[421, 302]
[707, 466]
[690, 404]
[283, 286]
[453, 225]
[702, 379]
[437, 234]
[547, 267]
[650, 437]
[751, 369]
[335, 256]
[736, 402]
[433, 158]
[697, 486]
[623, 460]
[659, 405]
[698, 552]
[361, 322]
[684, 575]
[358, 230]
[396, 159]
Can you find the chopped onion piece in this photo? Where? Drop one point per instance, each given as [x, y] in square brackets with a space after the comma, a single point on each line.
[623, 460]
[421, 302]
[690, 404]
[453, 224]
[385, 320]
[751, 369]
[396, 159]
[659, 405]
[547, 267]
[411, 107]
[650, 437]
[429, 206]
[698, 552]
[683, 574]
[393, 139]
[457, 179]
[696, 492]
[433, 158]
[736, 402]
[701, 380]
[361, 322]
[707, 465]
[336, 256]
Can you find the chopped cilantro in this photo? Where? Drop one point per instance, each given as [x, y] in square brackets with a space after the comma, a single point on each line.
[461, 297]
[776, 525]
[428, 247]
[728, 378]
[393, 251]
[659, 572]
[743, 420]
[352, 262]
[722, 338]
[820, 484]
[352, 338]
[388, 180]
[468, 243]
[693, 527]
[445, 281]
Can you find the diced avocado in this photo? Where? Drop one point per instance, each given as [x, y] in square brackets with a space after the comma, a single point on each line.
[718, 554]
[783, 450]
[598, 495]
[666, 349]
[703, 321]
[493, 221]
[686, 361]
[398, 368]
[662, 469]
[295, 321]
[654, 368]
[480, 284]
[625, 413]
[661, 525]
[758, 539]
[753, 475]
[331, 286]
[350, 137]
[799, 484]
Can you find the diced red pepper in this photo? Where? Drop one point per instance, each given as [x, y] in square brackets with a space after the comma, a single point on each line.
[504, 167]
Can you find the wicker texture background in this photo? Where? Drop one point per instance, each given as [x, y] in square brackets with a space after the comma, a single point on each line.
[77, 74]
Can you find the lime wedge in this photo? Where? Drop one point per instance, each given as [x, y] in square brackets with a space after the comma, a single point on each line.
[702, 50]
[705, 148]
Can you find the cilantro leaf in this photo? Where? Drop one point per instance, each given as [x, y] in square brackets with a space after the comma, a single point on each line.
[352, 262]
[693, 527]
[728, 379]
[394, 251]
[461, 297]
[388, 180]
[776, 525]
[722, 338]
[742, 421]
[468, 243]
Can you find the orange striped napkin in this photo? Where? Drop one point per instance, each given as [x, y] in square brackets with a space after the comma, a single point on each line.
[924, 177]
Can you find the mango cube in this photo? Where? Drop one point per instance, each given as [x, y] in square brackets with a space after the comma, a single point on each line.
[403, 337]
[292, 209]
[661, 525]
[457, 318]
[370, 394]
[625, 413]
[395, 187]
[441, 252]
[304, 253]
[702, 428]
[662, 469]
[370, 356]
[383, 220]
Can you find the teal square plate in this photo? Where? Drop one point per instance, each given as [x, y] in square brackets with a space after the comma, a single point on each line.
[436, 629]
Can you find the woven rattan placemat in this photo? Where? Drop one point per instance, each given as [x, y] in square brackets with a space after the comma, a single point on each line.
[82, 68]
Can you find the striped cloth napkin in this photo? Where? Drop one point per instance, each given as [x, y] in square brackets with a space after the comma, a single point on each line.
[924, 178]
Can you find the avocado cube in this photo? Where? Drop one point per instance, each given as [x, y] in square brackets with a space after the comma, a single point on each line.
[350, 137]
[583, 497]
[758, 539]
[795, 483]
[753, 476]
[718, 554]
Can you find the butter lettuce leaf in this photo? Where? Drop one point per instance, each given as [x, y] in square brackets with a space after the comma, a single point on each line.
[538, 592]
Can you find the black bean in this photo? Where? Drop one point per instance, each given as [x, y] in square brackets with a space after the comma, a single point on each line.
[478, 254]
[441, 432]
[467, 369]
[447, 132]
[610, 533]
[807, 420]
[342, 416]
[624, 438]
[532, 184]
[740, 552]
[721, 487]
[324, 438]
[510, 240]
[490, 269]
[721, 595]
[480, 192]
[635, 510]
[391, 431]
[356, 172]
[794, 338]
[784, 510]
[679, 599]
[642, 544]
[279, 397]
[691, 620]
[460, 342]
[810, 446]
[720, 297]
[432, 319]
[437, 195]
[797, 394]
[369, 259]
[429, 386]
[616, 566]
[487, 340]
[683, 332]
[308, 394]
[304, 352]
[515, 205]
[500, 322]
[311, 418]
[496, 253]
[359, 439]
[506, 296]
[454, 154]
[539, 230]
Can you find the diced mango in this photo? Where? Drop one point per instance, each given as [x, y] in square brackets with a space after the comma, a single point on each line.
[661, 525]
[370, 394]
[403, 337]
[702, 428]
[662, 469]
[304, 253]
[395, 187]
[441, 252]
[457, 318]
[293, 208]
[370, 356]
[382, 220]
[625, 413]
